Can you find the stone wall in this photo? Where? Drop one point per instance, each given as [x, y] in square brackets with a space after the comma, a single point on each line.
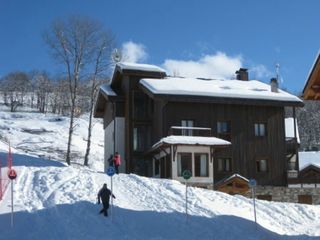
[287, 194]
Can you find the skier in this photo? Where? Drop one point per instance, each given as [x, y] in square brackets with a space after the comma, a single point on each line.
[117, 162]
[104, 194]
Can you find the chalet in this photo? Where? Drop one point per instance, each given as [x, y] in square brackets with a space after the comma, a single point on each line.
[311, 90]
[162, 125]
[308, 178]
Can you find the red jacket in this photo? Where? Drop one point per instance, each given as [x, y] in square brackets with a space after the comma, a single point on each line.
[117, 160]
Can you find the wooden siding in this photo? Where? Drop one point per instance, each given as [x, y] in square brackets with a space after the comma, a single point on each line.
[311, 89]
[246, 147]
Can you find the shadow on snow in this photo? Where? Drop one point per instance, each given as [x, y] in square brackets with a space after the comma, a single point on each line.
[27, 160]
[82, 221]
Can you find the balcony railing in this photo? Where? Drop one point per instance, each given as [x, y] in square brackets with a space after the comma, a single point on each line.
[190, 131]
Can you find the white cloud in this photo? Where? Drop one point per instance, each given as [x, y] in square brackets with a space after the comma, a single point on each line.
[218, 66]
[133, 52]
[260, 71]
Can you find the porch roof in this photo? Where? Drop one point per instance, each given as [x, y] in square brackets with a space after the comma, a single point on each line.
[190, 140]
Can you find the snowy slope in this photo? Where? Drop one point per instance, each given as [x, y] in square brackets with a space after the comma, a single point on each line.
[55, 201]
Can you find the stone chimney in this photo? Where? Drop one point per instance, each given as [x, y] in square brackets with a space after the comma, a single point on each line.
[242, 74]
[274, 85]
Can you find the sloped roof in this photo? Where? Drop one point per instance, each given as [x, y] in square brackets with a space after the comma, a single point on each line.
[311, 90]
[106, 89]
[139, 67]
[309, 158]
[235, 89]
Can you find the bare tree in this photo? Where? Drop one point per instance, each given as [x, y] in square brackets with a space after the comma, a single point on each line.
[42, 87]
[74, 45]
[101, 65]
[15, 85]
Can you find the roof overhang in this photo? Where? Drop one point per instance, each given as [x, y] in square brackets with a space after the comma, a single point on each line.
[188, 141]
[219, 100]
[311, 89]
[106, 94]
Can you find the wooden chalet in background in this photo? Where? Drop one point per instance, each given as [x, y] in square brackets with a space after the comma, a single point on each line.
[311, 90]
[309, 174]
[163, 125]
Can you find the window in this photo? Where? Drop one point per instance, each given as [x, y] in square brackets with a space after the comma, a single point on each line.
[141, 138]
[186, 123]
[224, 164]
[262, 165]
[224, 130]
[184, 162]
[201, 163]
[260, 129]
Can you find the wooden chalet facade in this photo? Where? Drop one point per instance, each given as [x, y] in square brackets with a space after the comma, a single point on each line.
[311, 90]
[142, 105]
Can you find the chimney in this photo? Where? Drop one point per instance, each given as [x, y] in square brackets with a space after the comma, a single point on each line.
[242, 74]
[274, 85]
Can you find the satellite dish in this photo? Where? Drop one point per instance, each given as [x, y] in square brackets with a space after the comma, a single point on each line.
[116, 55]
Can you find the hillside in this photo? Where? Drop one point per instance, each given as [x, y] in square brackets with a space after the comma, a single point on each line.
[56, 201]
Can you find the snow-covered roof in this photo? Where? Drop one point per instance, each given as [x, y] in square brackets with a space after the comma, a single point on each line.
[311, 69]
[106, 88]
[252, 89]
[236, 175]
[192, 140]
[139, 67]
[289, 129]
[309, 158]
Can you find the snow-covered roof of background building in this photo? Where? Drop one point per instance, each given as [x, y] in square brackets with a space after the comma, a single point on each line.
[252, 89]
[289, 129]
[309, 158]
[139, 67]
[191, 140]
[106, 88]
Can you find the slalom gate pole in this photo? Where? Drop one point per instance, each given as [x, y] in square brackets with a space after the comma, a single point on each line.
[11, 203]
[111, 199]
[186, 201]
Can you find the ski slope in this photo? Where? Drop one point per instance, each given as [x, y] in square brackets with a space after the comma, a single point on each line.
[56, 201]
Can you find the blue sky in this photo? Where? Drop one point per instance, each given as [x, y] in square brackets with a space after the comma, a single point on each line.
[205, 37]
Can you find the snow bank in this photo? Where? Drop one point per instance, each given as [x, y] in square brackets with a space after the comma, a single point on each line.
[56, 201]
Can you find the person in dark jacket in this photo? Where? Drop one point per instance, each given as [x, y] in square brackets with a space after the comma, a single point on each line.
[111, 160]
[104, 195]
[117, 162]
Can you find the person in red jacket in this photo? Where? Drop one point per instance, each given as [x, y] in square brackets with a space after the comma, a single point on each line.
[117, 162]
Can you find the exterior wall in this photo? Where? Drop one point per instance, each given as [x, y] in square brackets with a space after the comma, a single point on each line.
[287, 194]
[246, 148]
[118, 146]
[193, 179]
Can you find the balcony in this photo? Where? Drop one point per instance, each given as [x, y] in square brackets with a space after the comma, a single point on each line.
[190, 131]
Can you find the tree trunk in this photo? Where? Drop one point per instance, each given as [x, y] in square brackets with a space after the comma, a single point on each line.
[86, 157]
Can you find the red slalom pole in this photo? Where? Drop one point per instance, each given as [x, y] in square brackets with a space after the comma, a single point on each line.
[9, 158]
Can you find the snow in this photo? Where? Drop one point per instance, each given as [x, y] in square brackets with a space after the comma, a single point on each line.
[191, 140]
[106, 88]
[140, 67]
[309, 158]
[56, 201]
[252, 89]
[236, 175]
[289, 129]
